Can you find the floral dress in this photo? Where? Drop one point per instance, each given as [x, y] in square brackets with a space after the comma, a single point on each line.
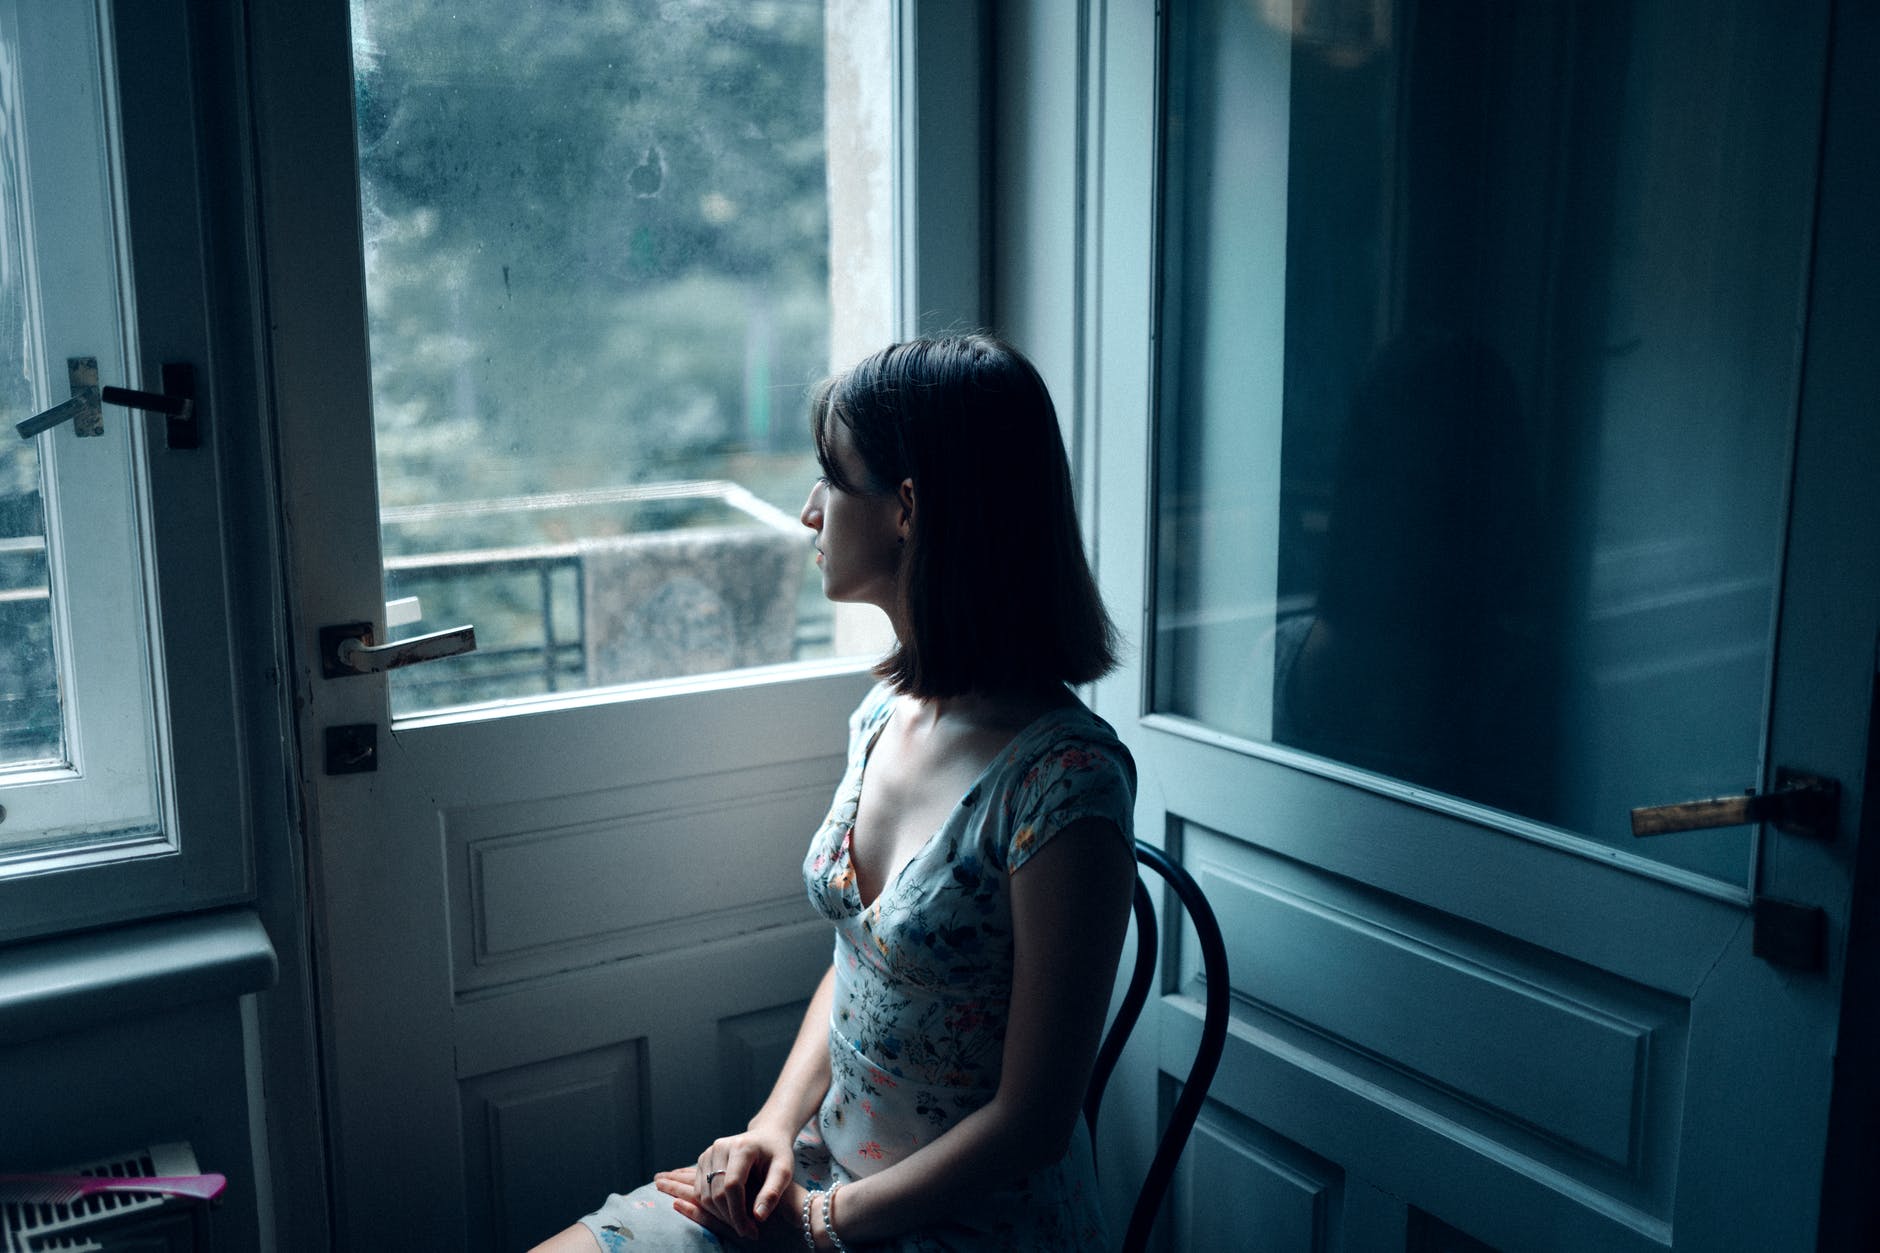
[923, 981]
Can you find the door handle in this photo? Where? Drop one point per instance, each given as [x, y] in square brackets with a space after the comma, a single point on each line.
[1800, 804]
[1791, 934]
[85, 408]
[347, 649]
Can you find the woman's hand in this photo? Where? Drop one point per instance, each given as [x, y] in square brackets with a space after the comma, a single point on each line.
[737, 1182]
[782, 1231]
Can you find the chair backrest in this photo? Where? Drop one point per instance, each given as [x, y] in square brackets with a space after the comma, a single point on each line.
[1213, 1033]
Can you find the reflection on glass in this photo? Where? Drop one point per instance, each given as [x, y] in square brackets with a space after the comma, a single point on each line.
[1478, 377]
[31, 728]
[598, 248]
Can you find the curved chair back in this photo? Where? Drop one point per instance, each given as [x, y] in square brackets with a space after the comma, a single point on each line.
[1213, 1033]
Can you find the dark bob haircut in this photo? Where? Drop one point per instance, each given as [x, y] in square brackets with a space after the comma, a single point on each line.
[996, 593]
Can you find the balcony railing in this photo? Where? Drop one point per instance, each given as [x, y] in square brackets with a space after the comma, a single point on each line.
[650, 602]
[30, 729]
[533, 603]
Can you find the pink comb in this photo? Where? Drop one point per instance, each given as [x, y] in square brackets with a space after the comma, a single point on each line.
[65, 1189]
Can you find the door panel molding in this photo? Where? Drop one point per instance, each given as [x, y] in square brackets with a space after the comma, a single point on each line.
[1453, 1169]
[543, 1139]
[561, 891]
[1543, 1055]
[1639, 927]
[657, 997]
[1243, 1178]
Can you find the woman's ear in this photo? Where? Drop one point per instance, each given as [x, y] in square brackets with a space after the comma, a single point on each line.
[906, 493]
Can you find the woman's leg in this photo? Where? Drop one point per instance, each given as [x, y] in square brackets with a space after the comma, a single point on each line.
[642, 1221]
[577, 1239]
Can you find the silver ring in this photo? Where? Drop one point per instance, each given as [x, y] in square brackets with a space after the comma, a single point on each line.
[712, 1174]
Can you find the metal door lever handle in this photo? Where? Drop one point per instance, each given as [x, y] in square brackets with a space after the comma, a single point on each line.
[348, 649]
[1800, 804]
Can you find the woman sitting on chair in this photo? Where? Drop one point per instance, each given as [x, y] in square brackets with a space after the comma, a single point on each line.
[977, 861]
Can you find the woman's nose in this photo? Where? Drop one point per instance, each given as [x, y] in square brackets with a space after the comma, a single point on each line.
[812, 515]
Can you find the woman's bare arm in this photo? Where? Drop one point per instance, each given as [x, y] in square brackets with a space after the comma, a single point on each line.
[767, 1144]
[738, 1178]
[804, 1080]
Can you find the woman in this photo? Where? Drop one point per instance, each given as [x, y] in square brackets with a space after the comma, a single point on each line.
[976, 862]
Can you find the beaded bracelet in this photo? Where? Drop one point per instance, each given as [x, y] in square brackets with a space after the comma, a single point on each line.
[809, 1237]
[829, 1224]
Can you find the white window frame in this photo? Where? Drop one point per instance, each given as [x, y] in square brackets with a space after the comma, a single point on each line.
[103, 795]
[200, 855]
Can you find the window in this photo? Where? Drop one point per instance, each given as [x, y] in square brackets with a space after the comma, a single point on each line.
[121, 770]
[608, 250]
[78, 708]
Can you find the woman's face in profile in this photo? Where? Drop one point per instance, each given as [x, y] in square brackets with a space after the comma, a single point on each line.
[857, 537]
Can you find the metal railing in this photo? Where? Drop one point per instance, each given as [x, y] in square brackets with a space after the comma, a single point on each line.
[555, 659]
[558, 659]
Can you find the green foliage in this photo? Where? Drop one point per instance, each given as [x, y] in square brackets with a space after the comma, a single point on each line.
[597, 251]
[597, 240]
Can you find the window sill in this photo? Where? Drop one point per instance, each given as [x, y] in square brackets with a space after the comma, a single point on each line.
[54, 986]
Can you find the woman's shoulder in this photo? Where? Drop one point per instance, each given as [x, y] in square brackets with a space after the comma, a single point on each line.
[1070, 765]
[1077, 725]
[1067, 747]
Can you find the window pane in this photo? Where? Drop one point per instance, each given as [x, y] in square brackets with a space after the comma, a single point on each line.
[598, 245]
[1478, 384]
[31, 729]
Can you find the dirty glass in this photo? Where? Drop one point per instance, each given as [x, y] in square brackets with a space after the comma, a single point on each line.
[31, 728]
[598, 256]
[1479, 371]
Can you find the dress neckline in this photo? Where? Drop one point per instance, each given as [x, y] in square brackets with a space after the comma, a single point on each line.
[972, 789]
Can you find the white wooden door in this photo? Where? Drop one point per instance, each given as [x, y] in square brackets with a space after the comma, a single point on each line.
[1471, 1009]
[561, 938]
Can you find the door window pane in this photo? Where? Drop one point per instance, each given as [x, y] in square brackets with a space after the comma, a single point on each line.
[1479, 365]
[598, 260]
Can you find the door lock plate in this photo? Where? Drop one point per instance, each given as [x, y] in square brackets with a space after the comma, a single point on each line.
[1788, 934]
[352, 748]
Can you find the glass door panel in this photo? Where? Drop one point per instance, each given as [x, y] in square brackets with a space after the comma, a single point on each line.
[1477, 385]
[599, 250]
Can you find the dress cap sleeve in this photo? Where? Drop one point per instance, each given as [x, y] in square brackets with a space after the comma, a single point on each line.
[1077, 775]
